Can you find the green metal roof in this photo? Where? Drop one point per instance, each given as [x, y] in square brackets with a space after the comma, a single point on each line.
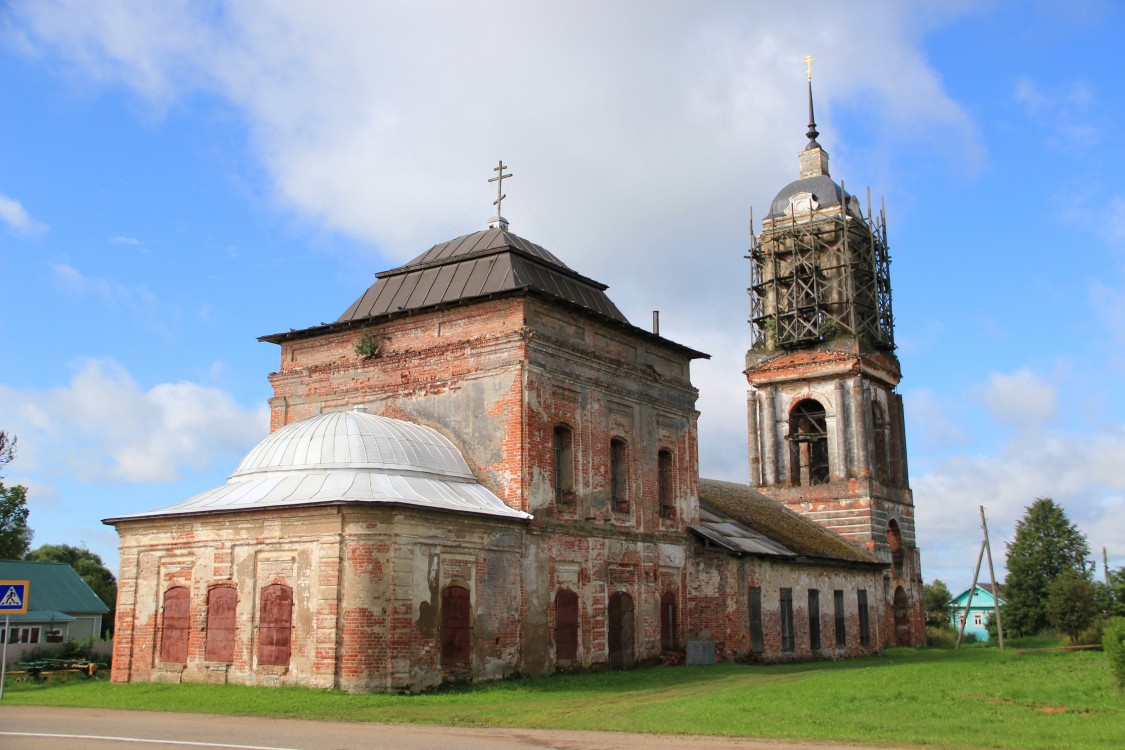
[53, 586]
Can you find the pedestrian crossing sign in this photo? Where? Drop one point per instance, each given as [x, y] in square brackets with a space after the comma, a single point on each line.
[13, 597]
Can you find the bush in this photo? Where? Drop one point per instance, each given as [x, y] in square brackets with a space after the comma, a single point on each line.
[1113, 640]
[940, 637]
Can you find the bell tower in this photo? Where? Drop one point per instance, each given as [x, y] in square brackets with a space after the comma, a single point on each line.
[826, 428]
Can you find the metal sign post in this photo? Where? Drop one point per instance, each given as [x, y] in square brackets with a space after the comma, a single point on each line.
[13, 601]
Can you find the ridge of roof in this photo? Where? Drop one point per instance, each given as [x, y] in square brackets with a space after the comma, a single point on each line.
[780, 524]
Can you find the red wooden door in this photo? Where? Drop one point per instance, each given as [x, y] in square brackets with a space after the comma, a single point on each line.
[275, 625]
[566, 626]
[456, 643]
[221, 605]
[177, 624]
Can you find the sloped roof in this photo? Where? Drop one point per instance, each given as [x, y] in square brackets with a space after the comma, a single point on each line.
[348, 457]
[480, 264]
[53, 586]
[772, 522]
[982, 597]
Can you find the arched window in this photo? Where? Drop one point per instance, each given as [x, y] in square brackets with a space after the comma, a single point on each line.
[566, 626]
[221, 604]
[456, 627]
[879, 426]
[894, 541]
[665, 483]
[564, 465]
[668, 621]
[275, 625]
[176, 625]
[618, 476]
[808, 443]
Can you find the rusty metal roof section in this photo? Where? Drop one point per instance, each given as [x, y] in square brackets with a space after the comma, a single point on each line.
[481, 264]
[744, 521]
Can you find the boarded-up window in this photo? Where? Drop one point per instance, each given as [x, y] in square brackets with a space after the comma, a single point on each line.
[566, 626]
[221, 605]
[787, 619]
[618, 475]
[668, 621]
[564, 465]
[621, 631]
[814, 620]
[864, 625]
[841, 621]
[275, 625]
[755, 620]
[664, 483]
[808, 443]
[456, 615]
[177, 624]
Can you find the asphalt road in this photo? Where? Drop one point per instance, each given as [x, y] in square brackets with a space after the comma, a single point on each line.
[37, 728]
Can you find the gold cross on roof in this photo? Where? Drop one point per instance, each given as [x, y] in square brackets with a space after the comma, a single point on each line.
[808, 61]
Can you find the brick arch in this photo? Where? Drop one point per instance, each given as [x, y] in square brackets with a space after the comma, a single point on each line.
[901, 606]
[808, 443]
[894, 541]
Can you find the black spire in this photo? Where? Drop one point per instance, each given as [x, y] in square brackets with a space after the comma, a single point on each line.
[812, 134]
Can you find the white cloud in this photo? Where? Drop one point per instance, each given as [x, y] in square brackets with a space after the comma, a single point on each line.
[121, 240]
[1022, 399]
[112, 293]
[16, 217]
[104, 427]
[1061, 113]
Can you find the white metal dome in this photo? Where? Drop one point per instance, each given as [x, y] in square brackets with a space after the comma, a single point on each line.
[348, 457]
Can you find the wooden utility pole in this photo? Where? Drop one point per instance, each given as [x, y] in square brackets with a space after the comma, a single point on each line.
[985, 547]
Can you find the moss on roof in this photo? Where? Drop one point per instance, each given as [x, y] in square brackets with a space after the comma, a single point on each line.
[771, 518]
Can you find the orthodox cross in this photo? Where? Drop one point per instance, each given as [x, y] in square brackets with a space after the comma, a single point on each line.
[499, 180]
[808, 61]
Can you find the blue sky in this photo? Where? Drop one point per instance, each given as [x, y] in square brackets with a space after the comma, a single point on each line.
[177, 179]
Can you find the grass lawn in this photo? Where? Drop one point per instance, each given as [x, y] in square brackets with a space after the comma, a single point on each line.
[973, 698]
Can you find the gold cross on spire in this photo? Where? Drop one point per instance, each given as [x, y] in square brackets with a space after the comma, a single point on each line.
[808, 61]
[499, 180]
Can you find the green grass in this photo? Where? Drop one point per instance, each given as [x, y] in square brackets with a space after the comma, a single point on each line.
[972, 698]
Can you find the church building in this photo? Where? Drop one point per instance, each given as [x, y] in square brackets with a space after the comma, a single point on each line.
[483, 469]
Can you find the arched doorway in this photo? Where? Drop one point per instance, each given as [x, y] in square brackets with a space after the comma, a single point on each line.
[902, 618]
[621, 654]
[566, 626]
[668, 621]
[456, 643]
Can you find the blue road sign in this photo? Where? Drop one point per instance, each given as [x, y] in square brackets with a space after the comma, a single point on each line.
[13, 597]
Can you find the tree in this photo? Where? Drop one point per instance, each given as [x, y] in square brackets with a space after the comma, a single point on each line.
[938, 605]
[1045, 545]
[1070, 604]
[15, 535]
[89, 567]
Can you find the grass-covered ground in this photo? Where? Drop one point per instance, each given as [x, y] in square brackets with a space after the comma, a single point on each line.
[973, 698]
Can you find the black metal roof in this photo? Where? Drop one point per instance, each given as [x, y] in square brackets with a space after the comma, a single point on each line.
[827, 193]
[481, 264]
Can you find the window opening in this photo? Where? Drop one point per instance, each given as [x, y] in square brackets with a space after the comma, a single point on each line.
[894, 541]
[864, 625]
[222, 602]
[814, 620]
[879, 425]
[808, 443]
[787, 619]
[177, 617]
[618, 475]
[566, 626]
[841, 619]
[664, 483]
[564, 465]
[275, 625]
[755, 620]
[901, 606]
[621, 631]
